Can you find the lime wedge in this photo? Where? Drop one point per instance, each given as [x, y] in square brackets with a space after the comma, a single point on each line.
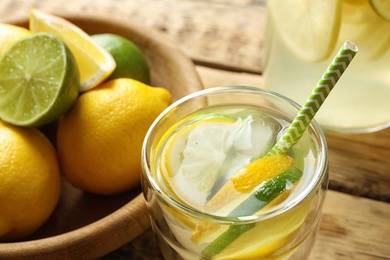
[382, 8]
[39, 80]
[309, 28]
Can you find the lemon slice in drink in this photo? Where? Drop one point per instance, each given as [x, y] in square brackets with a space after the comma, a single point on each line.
[382, 8]
[39, 80]
[309, 28]
[9, 34]
[198, 155]
[95, 64]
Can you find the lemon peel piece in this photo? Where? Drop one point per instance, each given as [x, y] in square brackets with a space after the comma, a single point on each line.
[248, 178]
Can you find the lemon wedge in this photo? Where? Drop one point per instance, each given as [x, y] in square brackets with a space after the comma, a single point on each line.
[95, 64]
[309, 28]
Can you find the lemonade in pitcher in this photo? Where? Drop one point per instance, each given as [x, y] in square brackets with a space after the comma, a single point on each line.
[301, 39]
[212, 190]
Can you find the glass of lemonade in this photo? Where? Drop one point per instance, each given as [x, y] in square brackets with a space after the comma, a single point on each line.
[204, 199]
[301, 43]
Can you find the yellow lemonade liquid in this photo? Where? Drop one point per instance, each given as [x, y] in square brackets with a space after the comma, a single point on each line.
[360, 101]
[251, 132]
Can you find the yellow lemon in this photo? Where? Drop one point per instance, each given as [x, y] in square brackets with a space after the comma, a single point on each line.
[10, 34]
[95, 64]
[29, 181]
[99, 140]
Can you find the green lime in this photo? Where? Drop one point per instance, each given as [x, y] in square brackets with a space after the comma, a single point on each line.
[39, 80]
[130, 62]
[382, 8]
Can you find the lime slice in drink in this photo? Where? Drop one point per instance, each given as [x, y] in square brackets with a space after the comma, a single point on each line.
[382, 8]
[309, 28]
[39, 80]
[237, 194]
[271, 234]
[95, 64]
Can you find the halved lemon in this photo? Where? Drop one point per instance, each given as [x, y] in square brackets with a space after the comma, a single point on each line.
[95, 64]
[309, 28]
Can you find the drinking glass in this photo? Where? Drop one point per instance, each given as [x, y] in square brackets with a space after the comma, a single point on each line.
[285, 231]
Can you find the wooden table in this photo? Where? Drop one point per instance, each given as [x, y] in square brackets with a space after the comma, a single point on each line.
[224, 38]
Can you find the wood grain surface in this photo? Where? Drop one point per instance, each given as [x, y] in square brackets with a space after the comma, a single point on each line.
[225, 39]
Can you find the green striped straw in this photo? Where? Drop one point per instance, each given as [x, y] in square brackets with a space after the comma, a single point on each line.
[328, 80]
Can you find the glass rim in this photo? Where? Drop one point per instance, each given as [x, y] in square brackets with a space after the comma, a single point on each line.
[313, 184]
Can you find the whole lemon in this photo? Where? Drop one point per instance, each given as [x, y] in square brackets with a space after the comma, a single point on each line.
[30, 183]
[99, 140]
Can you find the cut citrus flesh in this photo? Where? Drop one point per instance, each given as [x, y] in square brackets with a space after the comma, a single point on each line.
[183, 163]
[309, 28]
[39, 80]
[95, 64]
[266, 237]
[238, 187]
[213, 146]
[235, 241]
[382, 8]
[237, 236]
[272, 181]
[9, 34]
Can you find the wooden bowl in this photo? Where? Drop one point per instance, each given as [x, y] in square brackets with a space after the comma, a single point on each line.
[86, 226]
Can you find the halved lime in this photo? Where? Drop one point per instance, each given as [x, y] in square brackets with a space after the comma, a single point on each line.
[39, 80]
[309, 28]
[382, 8]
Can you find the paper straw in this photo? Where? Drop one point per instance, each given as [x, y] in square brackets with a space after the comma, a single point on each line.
[328, 80]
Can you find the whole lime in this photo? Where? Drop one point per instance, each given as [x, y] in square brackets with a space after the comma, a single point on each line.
[130, 62]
